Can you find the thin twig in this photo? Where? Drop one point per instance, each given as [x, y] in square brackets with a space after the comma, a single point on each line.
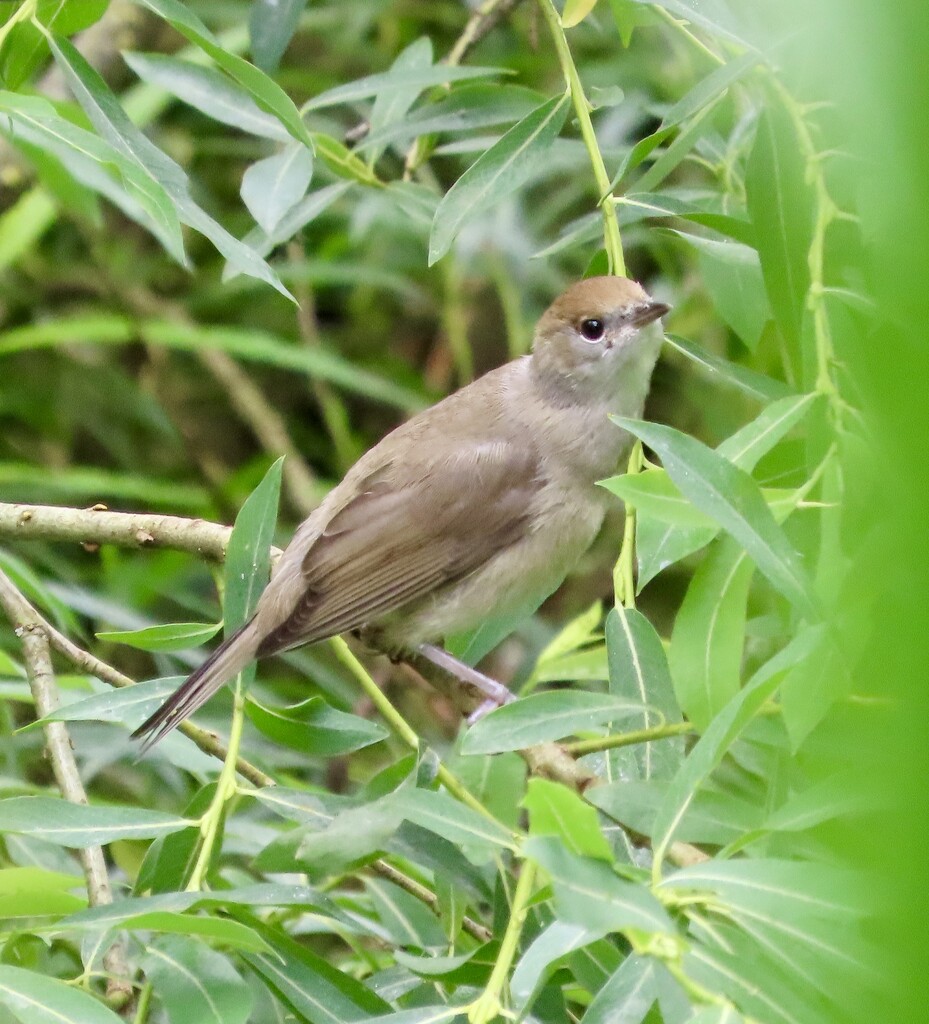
[32, 631]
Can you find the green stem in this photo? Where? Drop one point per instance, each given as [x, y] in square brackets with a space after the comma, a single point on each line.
[611, 237]
[627, 739]
[24, 13]
[145, 999]
[225, 791]
[624, 573]
[487, 1006]
[400, 726]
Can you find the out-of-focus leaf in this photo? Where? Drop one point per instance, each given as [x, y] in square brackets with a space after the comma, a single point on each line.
[811, 688]
[731, 498]
[79, 825]
[271, 25]
[390, 106]
[575, 11]
[406, 78]
[37, 892]
[555, 810]
[314, 727]
[207, 90]
[544, 716]
[40, 1000]
[498, 782]
[273, 186]
[709, 633]
[195, 983]
[497, 172]
[172, 636]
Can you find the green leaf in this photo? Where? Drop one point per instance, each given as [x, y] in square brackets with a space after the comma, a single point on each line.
[544, 716]
[111, 121]
[628, 995]
[722, 732]
[311, 987]
[467, 107]
[407, 78]
[78, 825]
[207, 90]
[391, 105]
[732, 274]
[589, 893]
[342, 161]
[709, 633]
[764, 389]
[659, 545]
[315, 728]
[780, 205]
[265, 91]
[271, 26]
[248, 555]
[38, 892]
[296, 218]
[172, 636]
[128, 705]
[639, 671]
[498, 782]
[555, 810]
[746, 446]
[95, 160]
[221, 930]
[509, 163]
[655, 495]
[575, 11]
[406, 920]
[41, 1000]
[549, 950]
[195, 983]
[273, 186]
[448, 817]
[730, 497]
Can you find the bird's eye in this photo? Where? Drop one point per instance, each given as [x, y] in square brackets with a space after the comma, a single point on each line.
[592, 329]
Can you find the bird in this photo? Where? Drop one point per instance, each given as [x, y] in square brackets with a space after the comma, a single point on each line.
[478, 505]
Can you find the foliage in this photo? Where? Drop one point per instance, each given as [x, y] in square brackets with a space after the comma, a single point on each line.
[213, 261]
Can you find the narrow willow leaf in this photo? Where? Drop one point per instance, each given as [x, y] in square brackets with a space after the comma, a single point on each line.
[709, 88]
[407, 921]
[709, 633]
[715, 16]
[639, 671]
[628, 995]
[549, 950]
[723, 731]
[510, 162]
[544, 716]
[195, 982]
[589, 893]
[129, 705]
[448, 817]
[780, 206]
[555, 810]
[810, 690]
[224, 930]
[40, 1000]
[659, 545]
[172, 636]
[248, 555]
[407, 78]
[342, 161]
[207, 90]
[391, 105]
[264, 90]
[273, 186]
[732, 274]
[758, 386]
[271, 26]
[467, 107]
[314, 728]
[655, 495]
[730, 496]
[297, 218]
[78, 825]
[111, 121]
[746, 446]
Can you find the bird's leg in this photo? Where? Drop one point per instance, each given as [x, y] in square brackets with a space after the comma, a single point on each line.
[496, 694]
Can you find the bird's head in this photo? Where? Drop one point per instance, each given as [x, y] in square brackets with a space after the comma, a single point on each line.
[590, 335]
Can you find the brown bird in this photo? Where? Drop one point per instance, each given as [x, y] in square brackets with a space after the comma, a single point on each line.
[479, 505]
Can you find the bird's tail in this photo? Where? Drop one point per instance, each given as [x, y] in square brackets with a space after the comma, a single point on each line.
[227, 660]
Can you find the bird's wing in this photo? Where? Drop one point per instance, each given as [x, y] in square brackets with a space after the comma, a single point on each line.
[409, 531]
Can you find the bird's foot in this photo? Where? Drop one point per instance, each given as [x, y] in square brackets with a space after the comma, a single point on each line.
[495, 694]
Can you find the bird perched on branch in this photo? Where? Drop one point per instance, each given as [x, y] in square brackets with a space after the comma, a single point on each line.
[479, 505]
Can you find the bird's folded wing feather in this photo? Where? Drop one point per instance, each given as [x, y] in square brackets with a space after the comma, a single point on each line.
[411, 530]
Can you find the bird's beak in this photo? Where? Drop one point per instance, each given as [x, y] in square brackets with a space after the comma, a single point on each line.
[649, 312]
